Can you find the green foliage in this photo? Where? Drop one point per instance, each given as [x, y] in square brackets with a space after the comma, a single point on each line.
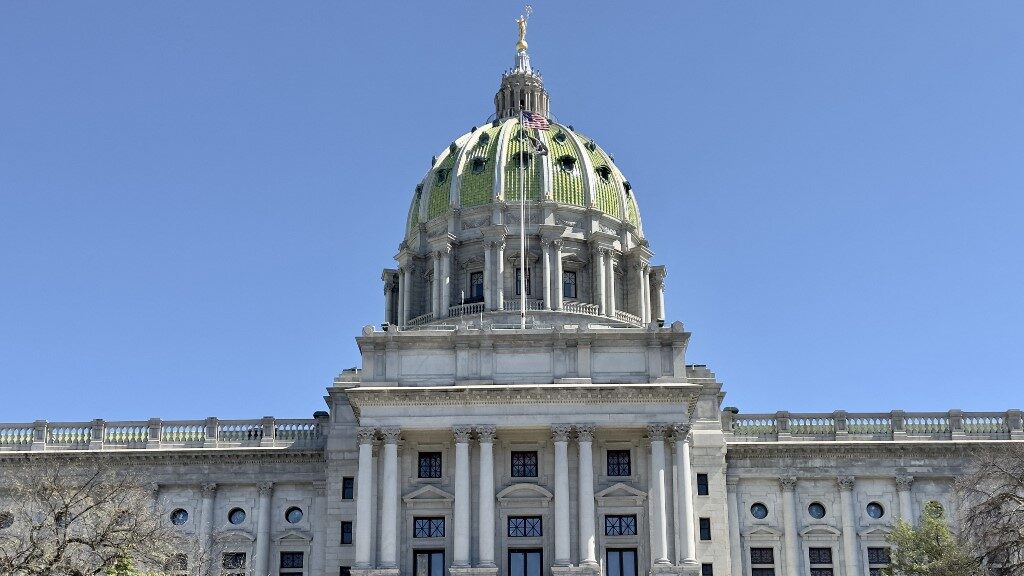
[930, 549]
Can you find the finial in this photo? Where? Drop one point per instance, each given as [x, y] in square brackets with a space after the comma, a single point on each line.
[523, 18]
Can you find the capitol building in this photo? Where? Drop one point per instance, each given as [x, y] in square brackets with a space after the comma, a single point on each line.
[524, 407]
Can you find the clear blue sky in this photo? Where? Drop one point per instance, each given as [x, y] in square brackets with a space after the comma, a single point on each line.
[197, 198]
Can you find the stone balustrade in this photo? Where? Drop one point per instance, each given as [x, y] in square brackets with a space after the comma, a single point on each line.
[896, 425]
[157, 434]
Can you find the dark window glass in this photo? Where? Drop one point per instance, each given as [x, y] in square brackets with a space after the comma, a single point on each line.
[878, 556]
[604, 172]
[620, 525]
[568, 285]
[762, 556]
[519, 275]
[819, 555]
[233, 561]
[875, 510]
[705, 528]
[442, 176]
[762, 572]
[478, 165]
[348, 488]
[702, 485]
[521, 160]
[430, 465]
[524, 526]
[525, 562]
[344, 571]
[346, 532]
[621, 562]
[524, 464]
[567, 163]
[291, 563]
[618, 463]
[816, 510]
[236, 516]
[178, 517]
[293, 515]
[707, 570]
[759, 511]
[875, 572]
[428, 563]
[428, 528]
[476, 287]
[821, 572]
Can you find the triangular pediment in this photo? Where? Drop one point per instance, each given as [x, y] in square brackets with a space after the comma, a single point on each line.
[234, 535]
[763, 532]
[525, 493]
[620, 493]
[294, 536]
[429, 496]
[877, 532]
[820, 531]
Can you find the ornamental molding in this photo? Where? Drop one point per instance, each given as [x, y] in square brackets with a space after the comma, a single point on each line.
[904, 483]
[656, 432]
[800, 451]
[524, 494]
[560, 432]
[485, 434]
[429, 496]
[787, 483]
[584, 433]
[620, 494]
[391, 435]
[846, 483]
[185, 457]
[265, 488]
[462, 433]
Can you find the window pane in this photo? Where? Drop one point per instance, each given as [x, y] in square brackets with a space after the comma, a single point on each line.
[524, 464]
[762, 556]
[629, 563]
[705, 528]
[821, 572]
[702, 484]
[437, 564]
[516, 564]
[620, 525]
[430, 465]
[422, 564]
[347, 488]
[291, 559]
[533, 564]
[618, 463]
[707, 570]
[568, 284]
[614, 562]
[762, 572]
[820, 555]
[878, 556]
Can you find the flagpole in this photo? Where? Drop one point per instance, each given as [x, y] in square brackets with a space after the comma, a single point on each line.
[522, 222]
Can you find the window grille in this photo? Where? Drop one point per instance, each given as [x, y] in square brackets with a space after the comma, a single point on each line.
[519, 272]
[707, 570]
[428, 528]
[476, 287]
[619, 463]
[620, 525]
[820, 560]
[702, 485]
[878, 558]
[524, 526]
[568, 285]
[524, 464]
[430, 465]
[291, 564]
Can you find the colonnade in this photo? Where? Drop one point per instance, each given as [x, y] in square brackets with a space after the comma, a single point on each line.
[561, 435]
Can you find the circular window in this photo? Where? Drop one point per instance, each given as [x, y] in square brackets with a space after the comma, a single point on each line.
[6, 520]
[816, 510]
[293, 515]
[604, 172]
[759, 511]
[442, 175]
[875, 510]
[179, 517]
[560, 137]
[236, 516]
[478, 165]
[567, 163]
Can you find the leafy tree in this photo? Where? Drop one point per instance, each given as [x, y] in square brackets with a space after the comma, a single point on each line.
[930, 549]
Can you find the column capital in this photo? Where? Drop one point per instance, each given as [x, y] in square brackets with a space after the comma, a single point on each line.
[366, 435]
[485, 434]
[209, 489]
[681, 432]
[845, 483]
[560, 432]
[585, 432]
[903, 483]
[462, 433]
[788, 483]
[265, 488]
[391, 435]
[656, 432]
[731, 483]
[557, 242]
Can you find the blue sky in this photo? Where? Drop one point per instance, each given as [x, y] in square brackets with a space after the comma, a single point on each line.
[197, 198]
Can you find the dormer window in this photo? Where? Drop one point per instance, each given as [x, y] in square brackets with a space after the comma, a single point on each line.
[567, 163]
[560, 137]
[521, 160]
[478, 165]
[604, 172]
[440, 176]
[483, 139]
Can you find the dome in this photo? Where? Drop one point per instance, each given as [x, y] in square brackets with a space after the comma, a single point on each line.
[481, 168]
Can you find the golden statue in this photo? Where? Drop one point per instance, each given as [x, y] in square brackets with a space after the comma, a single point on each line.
[521, 45]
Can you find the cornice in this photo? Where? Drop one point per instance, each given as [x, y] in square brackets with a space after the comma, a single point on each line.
[854, 450]
[217, 456]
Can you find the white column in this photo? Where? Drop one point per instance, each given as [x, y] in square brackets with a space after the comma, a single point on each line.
[735, 545]
[460, 548]
[560, 435]
[609, 291]
[389, 500]
[435, 285]
[387, 300]
[364, 498]
[546, 286]
[851, 551]
[206, 529]
[485, 495]
[262, 560]
[599, 281]
[903, 486]
[659, 291]
[499, 276]
[406, 295]
[446, 280]
[640, 306]
[318, 559]
[788, 485]
[585, 489]
[646, 279]
[659, 539]
[401, 298]
[557, 253]
[488, 297]
[684, 486]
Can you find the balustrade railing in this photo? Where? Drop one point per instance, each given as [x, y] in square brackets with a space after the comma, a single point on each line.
[532, 305]
[895, 425]
[157, 434]
[515, 304]
[465, 309]
[582, 308]
[628, 318]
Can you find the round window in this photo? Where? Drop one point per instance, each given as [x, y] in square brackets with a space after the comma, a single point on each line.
[816, 510]
[759, 511]
[875, 510]
[478, 165]
[6, 520]
[236, 516]
[179, 517]
[293, 515]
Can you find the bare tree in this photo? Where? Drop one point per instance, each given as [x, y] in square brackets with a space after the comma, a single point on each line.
[991, 498]
[64, 516]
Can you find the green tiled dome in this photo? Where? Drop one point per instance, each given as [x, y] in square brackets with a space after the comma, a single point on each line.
[482, 166]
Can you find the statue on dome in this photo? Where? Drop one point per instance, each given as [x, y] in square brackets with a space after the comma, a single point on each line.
[521, 45]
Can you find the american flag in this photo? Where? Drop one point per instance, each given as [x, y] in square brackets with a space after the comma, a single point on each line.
[534, 120]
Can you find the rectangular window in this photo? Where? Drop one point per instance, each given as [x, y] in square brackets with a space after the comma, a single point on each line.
[291, 564]
[428, 528]
[233, 564]
[762, 572]
[762, 562]
[524, 563]
[878, 558]
[344, 571]
[705, 528]
[707, 570]
[346, 532]
[524, 526]
[568, 284]
[430, 465]
[702, 485]
[519, 272]
[620, 562]
[618, 463]
[428, 563]
[348, 486]
[476, 287]
[820, 560]
[524, 464]
[620, 525]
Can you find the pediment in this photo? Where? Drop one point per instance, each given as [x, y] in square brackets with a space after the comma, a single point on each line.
[429, 496]
[620, 493]
[820, 531]
[525, 493]
[234, 535]
[876, 532]
[294, 536]
[763, 532]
